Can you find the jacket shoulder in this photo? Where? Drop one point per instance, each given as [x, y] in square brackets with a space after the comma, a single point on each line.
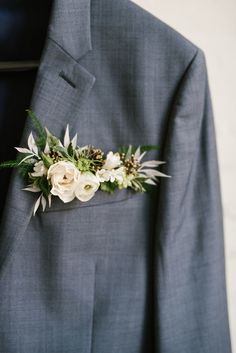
[157, 35]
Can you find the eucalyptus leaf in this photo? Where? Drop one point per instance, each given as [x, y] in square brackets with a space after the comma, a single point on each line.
[61, 150]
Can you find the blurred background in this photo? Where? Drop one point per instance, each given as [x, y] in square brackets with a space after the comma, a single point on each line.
[211, 25]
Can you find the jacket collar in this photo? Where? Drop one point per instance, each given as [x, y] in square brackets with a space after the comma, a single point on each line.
[70, 26]
[61, 85]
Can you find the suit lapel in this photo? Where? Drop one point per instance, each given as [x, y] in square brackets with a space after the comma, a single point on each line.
[61, 85]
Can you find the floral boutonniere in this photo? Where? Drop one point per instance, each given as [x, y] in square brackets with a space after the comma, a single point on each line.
[69, 171]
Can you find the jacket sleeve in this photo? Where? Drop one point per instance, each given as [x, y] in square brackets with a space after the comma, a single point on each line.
[191, 314]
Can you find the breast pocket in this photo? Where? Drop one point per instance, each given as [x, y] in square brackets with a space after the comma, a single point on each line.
[100, 198]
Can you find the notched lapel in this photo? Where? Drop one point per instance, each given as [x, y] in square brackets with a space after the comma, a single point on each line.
[61, 86]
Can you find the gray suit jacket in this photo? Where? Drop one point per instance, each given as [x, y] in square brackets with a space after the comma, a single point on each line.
[127, 272]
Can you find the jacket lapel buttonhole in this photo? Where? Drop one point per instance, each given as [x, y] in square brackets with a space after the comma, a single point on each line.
[62, 75]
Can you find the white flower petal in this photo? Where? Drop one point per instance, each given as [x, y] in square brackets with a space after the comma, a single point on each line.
[67, 137]
[137, 153]
[23, 150]
[128, 153]
[64, 178]
[141, 175]
[49, 200]
[65, 196]
[150, 181]
[112, 160]
[85, 197]
[151, 172]
[32, 188]
[27, 157]
[163, 175]
[43, 202]
[47, 132]
[32, 144]
[151, 163]
[39, 169]
[142, 155]
[46, 148]
[103, 175]
[83, 192]
[74, 141]
[37, 203]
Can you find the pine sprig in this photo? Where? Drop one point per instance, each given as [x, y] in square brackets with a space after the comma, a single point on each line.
[42, 135]
[9, 164]
[25, 169]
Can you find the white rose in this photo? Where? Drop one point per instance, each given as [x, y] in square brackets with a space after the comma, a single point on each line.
[39, 169]
[87, 186]
[64, 179]
[112, 160]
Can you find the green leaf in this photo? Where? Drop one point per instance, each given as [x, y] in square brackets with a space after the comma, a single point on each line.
[123, 149]
[108, 186]
[53, 141]
[138, 185]
[70, 150]
[148, 148]
[48, 161]
[61, 150]
[43, 184]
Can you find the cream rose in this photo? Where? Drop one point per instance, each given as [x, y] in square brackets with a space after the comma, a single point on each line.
[64, 178]
[87, 186]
